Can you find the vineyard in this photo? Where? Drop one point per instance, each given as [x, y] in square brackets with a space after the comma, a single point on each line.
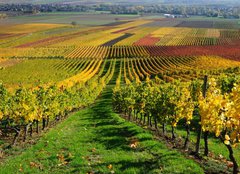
[177, 80]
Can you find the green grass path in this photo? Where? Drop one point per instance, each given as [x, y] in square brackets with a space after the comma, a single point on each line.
[97, 140]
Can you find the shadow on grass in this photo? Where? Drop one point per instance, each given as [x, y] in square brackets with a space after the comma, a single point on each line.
[110, 132]
[115, 135]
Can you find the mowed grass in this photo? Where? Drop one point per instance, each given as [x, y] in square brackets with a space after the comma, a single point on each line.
[97, 140]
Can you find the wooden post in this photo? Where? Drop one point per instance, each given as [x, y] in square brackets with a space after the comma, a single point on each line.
[206, 151]
[197, 150]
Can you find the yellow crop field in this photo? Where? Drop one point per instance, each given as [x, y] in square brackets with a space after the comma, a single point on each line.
[138, 33]
[214, 62]
[164, 31]
[29, 28]
[34, 52]
[83, 76]
[134, 23]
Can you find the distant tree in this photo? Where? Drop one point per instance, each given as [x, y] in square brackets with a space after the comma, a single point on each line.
[74, 23]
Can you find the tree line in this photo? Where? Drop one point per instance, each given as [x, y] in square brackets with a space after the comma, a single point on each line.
[224, 11]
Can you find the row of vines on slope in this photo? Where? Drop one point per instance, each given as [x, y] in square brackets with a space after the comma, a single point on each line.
[25, 108]
[215, 104]
[101, 52]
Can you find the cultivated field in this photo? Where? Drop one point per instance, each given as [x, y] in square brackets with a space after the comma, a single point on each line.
[171, 77]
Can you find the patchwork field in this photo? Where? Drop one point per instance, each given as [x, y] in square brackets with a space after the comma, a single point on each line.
[151, 71]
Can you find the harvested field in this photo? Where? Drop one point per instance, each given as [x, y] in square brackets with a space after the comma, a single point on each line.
[114, 41]
[123, 30]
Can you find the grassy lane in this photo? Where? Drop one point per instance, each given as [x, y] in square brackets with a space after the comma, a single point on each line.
[97, 140]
